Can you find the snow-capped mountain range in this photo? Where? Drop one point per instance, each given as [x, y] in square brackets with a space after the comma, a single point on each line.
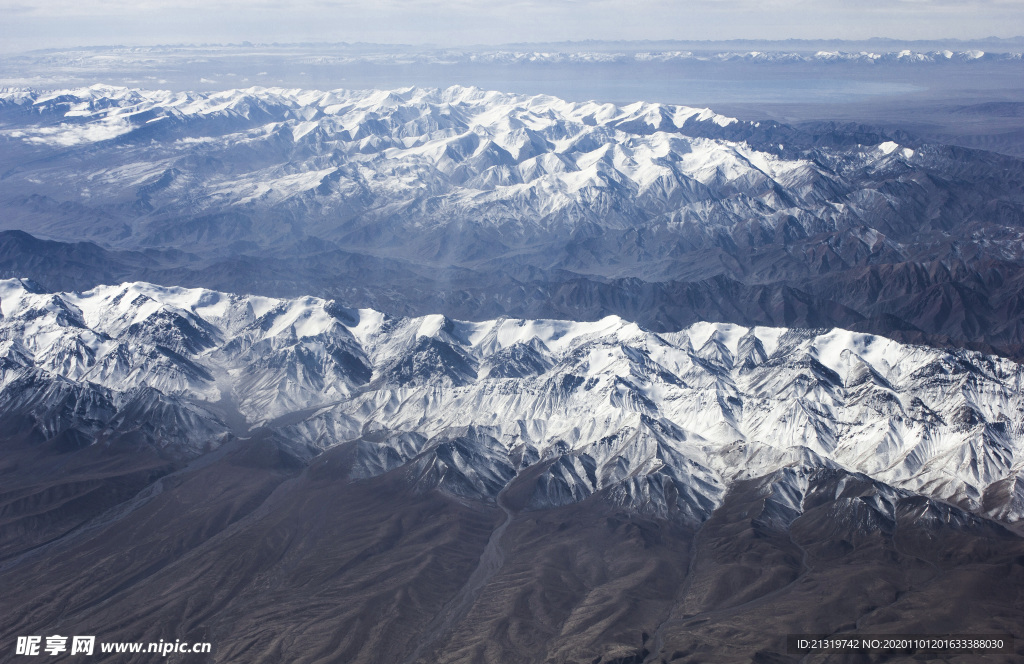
[542, 451]
[99, 58]
[427, 154]
[660, 423]
[369, 168]
[539, 57]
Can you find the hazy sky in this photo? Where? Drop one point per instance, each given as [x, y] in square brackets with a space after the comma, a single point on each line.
[44, 23]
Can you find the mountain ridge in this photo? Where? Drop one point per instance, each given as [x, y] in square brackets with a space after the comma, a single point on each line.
[610, 407]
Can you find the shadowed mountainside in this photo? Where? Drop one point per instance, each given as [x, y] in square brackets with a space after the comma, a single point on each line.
[272, 560]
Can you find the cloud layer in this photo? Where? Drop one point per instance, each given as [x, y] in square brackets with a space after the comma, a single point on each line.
[463, 22]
